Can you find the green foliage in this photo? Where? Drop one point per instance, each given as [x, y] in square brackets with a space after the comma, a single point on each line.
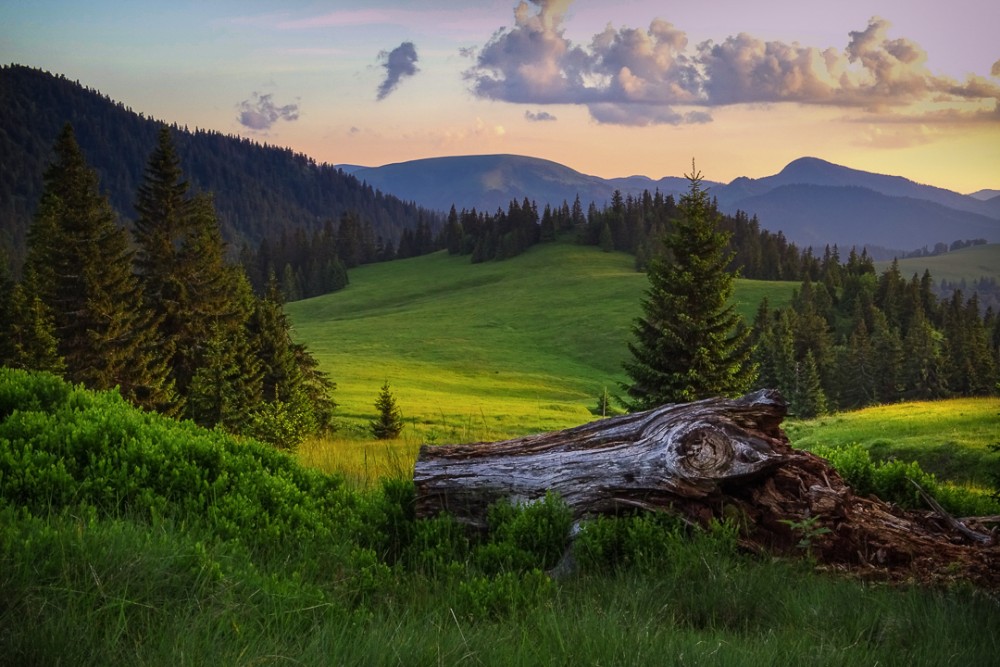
[63, 447]
[126, 537]
[689, 343]
[807, 530]
[504, 594]
[892, 481]
[389, 422]
[522, 536]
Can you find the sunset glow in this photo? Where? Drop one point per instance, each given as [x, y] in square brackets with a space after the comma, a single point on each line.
[638, 87]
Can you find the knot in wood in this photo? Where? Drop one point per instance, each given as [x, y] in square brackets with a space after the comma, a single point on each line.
[704, 450]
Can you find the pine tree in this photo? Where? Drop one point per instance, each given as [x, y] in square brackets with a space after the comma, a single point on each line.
[226, 389]
[295, 394]
[689, 343]
[181, 263]
[83, 267]
[923, 374]
[808, 399]
[389, 422]
[29, 334]
[857, 368]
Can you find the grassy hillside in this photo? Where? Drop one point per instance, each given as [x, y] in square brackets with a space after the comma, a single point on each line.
[947, 438]
[485, 350]
[968, 263]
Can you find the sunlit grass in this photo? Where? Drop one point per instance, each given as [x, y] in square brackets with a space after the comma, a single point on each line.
[948, 438]
[967, 264]
[505, 348]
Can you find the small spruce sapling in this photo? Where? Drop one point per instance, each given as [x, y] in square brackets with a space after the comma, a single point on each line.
[390, 419]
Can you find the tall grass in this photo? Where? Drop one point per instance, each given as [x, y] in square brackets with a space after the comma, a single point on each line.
[233, 554]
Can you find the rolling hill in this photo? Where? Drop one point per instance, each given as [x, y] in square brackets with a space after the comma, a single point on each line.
[490, 349]
[489, 182]
[968, 264]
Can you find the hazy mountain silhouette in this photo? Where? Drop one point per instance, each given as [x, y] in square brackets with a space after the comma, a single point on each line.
[812, 201]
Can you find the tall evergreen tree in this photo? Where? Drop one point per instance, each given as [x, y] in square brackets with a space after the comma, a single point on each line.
[808, 399]
[83, 267]
[295, 394]
[181, 264]
[857, 368]
[689, 343]
[923, 374]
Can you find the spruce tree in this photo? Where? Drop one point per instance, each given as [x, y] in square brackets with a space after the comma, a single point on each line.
[295, 394]
[808, 399]
[83, 267]
[29, 339]
[389, 422]
[857, 368]
[689, 343]
[181, 263]
[923, 374]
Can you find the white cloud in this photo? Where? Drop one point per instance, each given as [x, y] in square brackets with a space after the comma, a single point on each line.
[638, 77]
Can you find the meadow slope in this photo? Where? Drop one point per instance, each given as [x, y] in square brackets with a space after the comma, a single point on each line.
[482, 351]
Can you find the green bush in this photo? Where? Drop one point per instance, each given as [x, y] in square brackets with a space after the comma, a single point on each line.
[892, 481]
[527, 535]
[64, 447]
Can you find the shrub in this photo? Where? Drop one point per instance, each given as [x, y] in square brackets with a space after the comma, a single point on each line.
[528, 535]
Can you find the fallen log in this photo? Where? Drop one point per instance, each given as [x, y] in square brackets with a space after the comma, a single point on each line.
[711, 459]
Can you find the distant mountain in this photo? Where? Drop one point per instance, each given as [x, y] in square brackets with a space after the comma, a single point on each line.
[813, 171]
[259, 190]
[816, 215]
[813, 202]
[489, 182]
[984, 195]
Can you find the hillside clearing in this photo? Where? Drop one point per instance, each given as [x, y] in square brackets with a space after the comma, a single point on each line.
[497, 349]
[948, 438]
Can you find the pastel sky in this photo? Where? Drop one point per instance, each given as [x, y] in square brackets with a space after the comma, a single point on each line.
[907, 87]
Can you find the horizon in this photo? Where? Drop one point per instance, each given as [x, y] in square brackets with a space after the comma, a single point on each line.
[635, 90]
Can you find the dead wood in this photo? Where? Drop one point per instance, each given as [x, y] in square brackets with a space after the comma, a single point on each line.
[711, 459]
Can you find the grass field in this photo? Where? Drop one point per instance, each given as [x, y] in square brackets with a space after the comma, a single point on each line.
[968, 263]
[947, 438]
[484, 351]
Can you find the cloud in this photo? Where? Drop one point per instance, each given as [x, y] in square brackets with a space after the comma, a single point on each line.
[632, 76]
[398, 63]
[536, 116]
[260, 112]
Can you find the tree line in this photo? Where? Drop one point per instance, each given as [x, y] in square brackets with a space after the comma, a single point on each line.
[162, 316]
[855, 338]
[850, 337]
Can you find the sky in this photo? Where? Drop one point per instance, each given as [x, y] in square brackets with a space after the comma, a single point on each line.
[903, 87]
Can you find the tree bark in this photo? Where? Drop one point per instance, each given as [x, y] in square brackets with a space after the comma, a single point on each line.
[711, 459]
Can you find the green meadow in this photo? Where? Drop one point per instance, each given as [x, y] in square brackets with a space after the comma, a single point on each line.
[484, 351]
[948, 438]
[968, 263]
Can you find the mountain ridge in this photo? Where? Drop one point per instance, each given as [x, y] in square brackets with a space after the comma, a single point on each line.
[900, 213]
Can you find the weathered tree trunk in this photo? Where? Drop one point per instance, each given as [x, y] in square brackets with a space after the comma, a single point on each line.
[716, 458]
